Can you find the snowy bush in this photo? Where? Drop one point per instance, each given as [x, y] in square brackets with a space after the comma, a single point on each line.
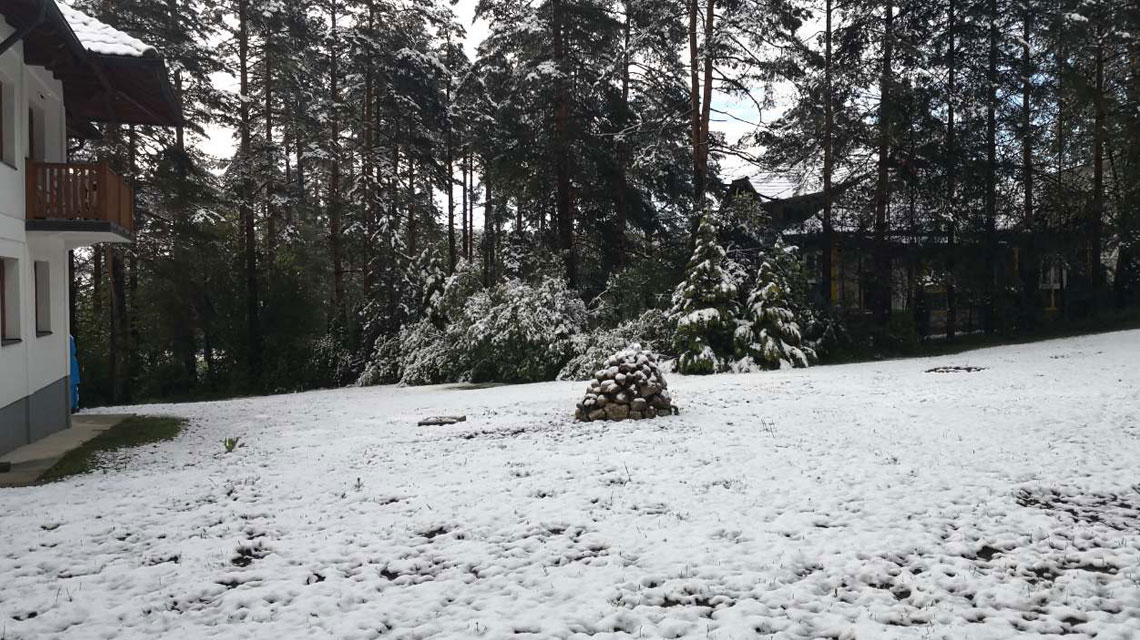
[518, 332]
[428, 355]
[384, 367]
[769, 336]
[420, 353]
[330, 362]
[632, 290]
[593, 348]
[512, 332]
[705, 309]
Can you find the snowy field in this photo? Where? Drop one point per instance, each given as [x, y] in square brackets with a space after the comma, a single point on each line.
[862, 501]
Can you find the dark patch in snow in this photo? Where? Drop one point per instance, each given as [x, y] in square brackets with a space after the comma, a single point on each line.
[245, 554]
[174, 558]
[987, 553]
[1119, 511]
[433, 531]
[955, 369]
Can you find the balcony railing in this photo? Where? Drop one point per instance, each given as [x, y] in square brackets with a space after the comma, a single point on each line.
[79, 192]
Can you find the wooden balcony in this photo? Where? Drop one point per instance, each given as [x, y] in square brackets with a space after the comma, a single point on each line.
[78, 197]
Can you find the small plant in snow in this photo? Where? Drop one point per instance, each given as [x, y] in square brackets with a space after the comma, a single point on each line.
[705, 308]
[231, 443]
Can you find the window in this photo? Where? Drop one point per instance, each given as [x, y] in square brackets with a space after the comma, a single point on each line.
[7, 122]
[9, 301]
[43, 297]
[1053, 274]
[36, 132]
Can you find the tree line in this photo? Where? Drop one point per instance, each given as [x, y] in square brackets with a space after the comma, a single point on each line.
[583, 134]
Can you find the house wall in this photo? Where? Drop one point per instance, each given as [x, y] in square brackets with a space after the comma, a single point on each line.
[33, 371]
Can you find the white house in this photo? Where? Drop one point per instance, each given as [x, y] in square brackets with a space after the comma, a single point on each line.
[60, 71]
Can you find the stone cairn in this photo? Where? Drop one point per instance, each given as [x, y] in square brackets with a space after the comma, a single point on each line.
[630, 387]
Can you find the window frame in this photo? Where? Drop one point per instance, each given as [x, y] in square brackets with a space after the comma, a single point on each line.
[9, 134]
[10, 302]
[41, 277]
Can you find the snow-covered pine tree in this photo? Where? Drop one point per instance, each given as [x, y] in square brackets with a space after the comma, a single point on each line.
[769, 337]
[704, 309]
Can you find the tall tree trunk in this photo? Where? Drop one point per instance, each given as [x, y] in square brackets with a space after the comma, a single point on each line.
[118, 342]
[621, 149]
[706, 92]
[412, 204]
[131, 317]
[828, 124]
[394, 188]
[245, 208]
[951, 182]
[334, 203]
[1097, 226]
[881, 288]
[471, 207]
[466, 239]
[1062, 68]
[700, 97]
[562, 148]
[1125, 278]
[270, 156]
[185, 349]
[72, 293]
[449, 170]
[1029, 266]
[97, 284]
[990, 289]
[488, 230]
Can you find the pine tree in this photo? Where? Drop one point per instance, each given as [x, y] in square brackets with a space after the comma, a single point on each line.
[705, 308]
[770, 335]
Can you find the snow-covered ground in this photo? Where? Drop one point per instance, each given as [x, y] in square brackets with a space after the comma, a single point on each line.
[862, 501]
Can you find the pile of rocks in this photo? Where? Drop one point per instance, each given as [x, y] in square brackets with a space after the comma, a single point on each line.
[629, 387]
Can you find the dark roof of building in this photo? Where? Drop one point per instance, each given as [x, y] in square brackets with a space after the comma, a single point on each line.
[107, 75]
[794, 210]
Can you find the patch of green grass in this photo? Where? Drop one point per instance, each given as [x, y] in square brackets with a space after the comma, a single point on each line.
[132, 432]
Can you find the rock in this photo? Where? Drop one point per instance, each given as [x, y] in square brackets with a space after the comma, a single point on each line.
[630, 386]
[441, 420]
[617, 411]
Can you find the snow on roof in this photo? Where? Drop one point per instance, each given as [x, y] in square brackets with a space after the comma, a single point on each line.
[97, 37]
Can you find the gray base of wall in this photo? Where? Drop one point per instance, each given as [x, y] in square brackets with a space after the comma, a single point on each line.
[36, 416]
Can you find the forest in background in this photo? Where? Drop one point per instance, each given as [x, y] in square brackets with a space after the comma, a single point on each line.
[339, 245]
